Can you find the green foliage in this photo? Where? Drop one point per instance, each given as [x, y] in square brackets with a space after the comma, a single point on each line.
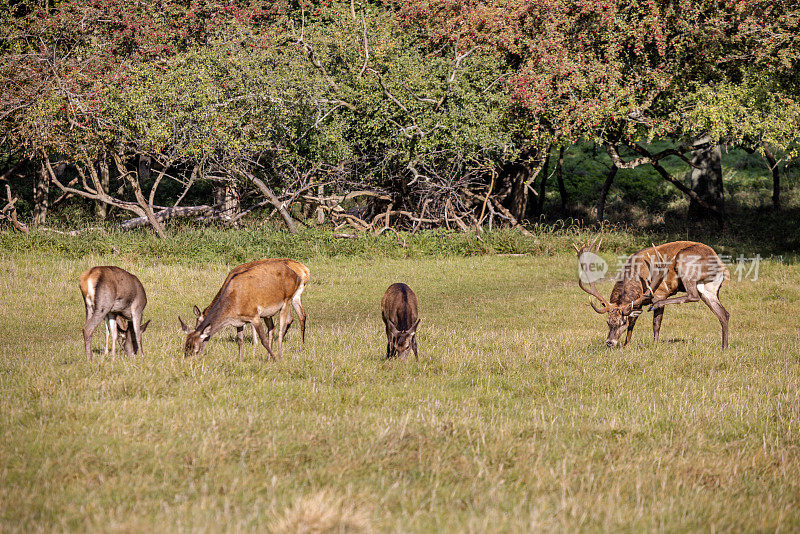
[420, 98]
[599, 70]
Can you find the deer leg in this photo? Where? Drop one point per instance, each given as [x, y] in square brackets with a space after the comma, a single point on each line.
[708, 294]
[240, 340]
[289, 321]
[388, 343]
[108, 334]
[657, 316]
[631, 324]
[270, 330]
[692, 295]
[255, 339]
[89, 328]
[259, 328]
[285, 320]
[136, 324]
[111, 328]
[301, 314]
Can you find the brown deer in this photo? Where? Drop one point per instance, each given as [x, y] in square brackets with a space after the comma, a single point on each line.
[302, 271]
[401, 317]
[116, 296]
[652, 276]
[255, 291]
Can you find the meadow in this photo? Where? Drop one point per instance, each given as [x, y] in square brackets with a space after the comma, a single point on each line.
[516, 418]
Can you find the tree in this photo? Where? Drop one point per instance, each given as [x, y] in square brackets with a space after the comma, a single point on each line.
[621, 72]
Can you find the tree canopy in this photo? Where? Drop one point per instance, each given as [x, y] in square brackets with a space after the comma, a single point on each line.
[423, 102]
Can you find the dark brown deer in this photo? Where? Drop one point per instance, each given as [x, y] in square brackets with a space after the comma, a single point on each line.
[652, 276]
[302, 271]
[255, 291]
[116, 296]
[401, 317]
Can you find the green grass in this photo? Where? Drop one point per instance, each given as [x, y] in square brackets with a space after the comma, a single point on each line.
[516, 417]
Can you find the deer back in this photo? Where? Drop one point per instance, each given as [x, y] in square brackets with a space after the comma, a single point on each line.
[112, 288]
[667, 266]
[399, 306]
[258, 289]
[301, 270]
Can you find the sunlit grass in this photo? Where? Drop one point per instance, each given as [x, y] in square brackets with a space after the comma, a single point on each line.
[515, 418]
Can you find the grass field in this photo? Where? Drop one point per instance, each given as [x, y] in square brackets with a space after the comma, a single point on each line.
[515, 418]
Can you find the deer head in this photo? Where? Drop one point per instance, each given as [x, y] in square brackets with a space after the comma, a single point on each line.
[195, 340]
[619, 313]
[401, 339]
[125, 334]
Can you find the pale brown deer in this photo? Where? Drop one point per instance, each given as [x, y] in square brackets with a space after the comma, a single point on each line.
[651, 276]
[113, 294]
[401, 316]
[258, 291]
[302, 271]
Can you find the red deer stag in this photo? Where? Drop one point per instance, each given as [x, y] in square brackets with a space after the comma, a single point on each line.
[113, 294]
[257, 291]
[400, 315]
[652, 276]
[302, 271]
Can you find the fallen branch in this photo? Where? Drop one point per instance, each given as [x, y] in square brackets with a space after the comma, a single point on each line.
[9, 212]
[167, 213]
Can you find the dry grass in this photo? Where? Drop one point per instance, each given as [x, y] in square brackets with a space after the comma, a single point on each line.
[321, 513]
[516, 418]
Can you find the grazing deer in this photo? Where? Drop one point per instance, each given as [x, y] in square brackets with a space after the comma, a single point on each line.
[400, 315]
[251, 292]
[302, 271]
[652, 276]
[114, 295]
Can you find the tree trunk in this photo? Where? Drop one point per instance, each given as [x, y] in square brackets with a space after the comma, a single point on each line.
[320, 212]
[517, 174]
[542, 186]
[226, 197]
[144, 168]
[273, 199]
[562, 190]
[706, 182]
[101, 208]
[601, 202]
[776, 178]
[41, 195]
[145, 207]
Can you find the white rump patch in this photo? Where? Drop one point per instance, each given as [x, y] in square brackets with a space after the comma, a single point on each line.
[710, 289]
[90, 287]
[298, 293]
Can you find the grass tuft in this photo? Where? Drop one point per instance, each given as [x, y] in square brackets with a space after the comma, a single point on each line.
[321, 513]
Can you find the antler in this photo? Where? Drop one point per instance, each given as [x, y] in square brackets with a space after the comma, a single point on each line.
[658, 254]
[592, 289]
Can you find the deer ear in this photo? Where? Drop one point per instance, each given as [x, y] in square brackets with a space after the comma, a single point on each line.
[414, 328]
[184, 327]
[197, 312]
[122, 324]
